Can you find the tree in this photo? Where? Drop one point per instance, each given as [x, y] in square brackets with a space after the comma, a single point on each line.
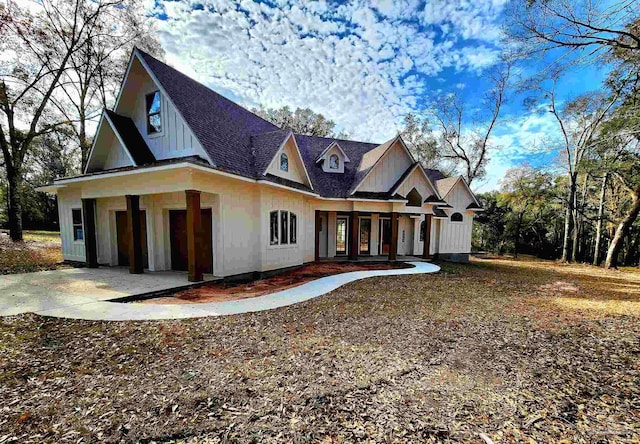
[421, 141]
[594, 28]
[525, 191]
[301, 121]
[465, 137]
[37, 49]
[96, 69]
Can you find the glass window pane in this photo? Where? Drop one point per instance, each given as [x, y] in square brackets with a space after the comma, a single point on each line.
[341, 236]
[283, 223]
[293, 224]
[78, 233]
[334, 162]
[273, 227]
[77, 216]
[422, 224]
[155, 124]
[284, 162]
[365, 235]
[153, 102]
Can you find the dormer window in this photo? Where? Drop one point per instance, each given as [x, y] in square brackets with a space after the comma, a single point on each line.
[333, 158]
[334, 162]
[154, 120]
[284, 162]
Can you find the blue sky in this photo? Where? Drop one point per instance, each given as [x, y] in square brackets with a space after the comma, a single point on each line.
[365, 65]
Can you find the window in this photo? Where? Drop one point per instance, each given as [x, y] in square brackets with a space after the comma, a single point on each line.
[456, 217]
[78, 231]
[422, 227]
[154, 121]
[273, 227]
[334, 162]
[293, 228]
[403, 236]
[284, 162]
[284, 235]
[365, 236]
[341, 235]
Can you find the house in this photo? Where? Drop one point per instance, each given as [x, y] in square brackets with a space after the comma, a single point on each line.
[181, 178]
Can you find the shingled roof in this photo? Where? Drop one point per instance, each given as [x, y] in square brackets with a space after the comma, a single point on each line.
[132, 139]
[240, 142]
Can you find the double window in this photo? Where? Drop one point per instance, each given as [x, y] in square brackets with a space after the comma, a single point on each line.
[283, 228]
[78, 230]
[154, 119]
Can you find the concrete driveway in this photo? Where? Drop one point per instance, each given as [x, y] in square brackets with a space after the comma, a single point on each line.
[84, 293]
[46, 291]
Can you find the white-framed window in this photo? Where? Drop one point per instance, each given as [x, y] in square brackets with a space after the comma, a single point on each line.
[284, 227]
[154, 117]
[456, 217]
[273, 228]
[284, 162]
[78, 229]
[293, 228]
[334, 162]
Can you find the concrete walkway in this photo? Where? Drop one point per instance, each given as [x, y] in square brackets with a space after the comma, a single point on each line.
[95, 306]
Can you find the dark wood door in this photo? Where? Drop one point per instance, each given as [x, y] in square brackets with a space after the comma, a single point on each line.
[122, 227]
[385, 235]
[178, 239]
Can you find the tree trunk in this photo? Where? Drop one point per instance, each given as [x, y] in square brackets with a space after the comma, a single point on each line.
[621, 232]
[14, 181]
[566, 243]
[517, 236]
[596, 250]
[577, 221]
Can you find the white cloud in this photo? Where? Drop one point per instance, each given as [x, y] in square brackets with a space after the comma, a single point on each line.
[355, 63]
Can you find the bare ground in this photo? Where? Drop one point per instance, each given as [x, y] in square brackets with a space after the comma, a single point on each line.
[40, 250]
[226, 291]
[520, 351]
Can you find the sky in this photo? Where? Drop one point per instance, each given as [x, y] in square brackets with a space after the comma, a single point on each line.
[364, 65]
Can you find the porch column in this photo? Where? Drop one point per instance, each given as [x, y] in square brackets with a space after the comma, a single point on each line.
[133, 232]
[317, 239]
[194, 235]
[393, 248]
[353, 236]
[89, 221]
[426, 235]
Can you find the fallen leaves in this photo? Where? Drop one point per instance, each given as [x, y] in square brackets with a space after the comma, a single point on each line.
[478, 353]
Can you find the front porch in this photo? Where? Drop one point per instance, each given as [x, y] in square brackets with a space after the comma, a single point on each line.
[373, 236]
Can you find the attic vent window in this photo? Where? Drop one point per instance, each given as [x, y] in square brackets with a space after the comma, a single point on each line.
[154, 120]
[284, 162]
[334, 162]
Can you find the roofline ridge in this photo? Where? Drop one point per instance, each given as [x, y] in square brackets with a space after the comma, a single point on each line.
[205, 86]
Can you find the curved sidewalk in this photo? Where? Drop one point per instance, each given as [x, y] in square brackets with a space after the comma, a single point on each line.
[115, 311]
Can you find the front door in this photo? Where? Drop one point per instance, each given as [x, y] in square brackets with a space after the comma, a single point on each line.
[122, 227]
[178, 240]
[385, 235]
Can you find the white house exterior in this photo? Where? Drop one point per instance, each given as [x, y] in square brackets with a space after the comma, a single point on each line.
[181, 178]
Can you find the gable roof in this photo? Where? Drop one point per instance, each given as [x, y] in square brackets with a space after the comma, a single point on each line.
[223, 127]
[240, 142]
[446, 185]
[331, 145]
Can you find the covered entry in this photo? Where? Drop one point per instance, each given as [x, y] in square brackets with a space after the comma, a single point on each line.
[179, 245]
[124, 239]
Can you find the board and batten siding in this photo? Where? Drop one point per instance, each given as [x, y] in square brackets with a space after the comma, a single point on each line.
[455, 237]
[296, 167]
[69, 199]
[416, 180]
[176, 138]
[387, 171]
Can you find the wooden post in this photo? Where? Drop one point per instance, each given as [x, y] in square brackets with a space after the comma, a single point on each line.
[318, 227]
[353, 236]
[194, 235]
[90, 244]
[427, 237]
[133, 232]
[393, 248]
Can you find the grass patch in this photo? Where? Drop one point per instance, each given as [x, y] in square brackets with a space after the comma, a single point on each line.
[523, 351]
[40, 250]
